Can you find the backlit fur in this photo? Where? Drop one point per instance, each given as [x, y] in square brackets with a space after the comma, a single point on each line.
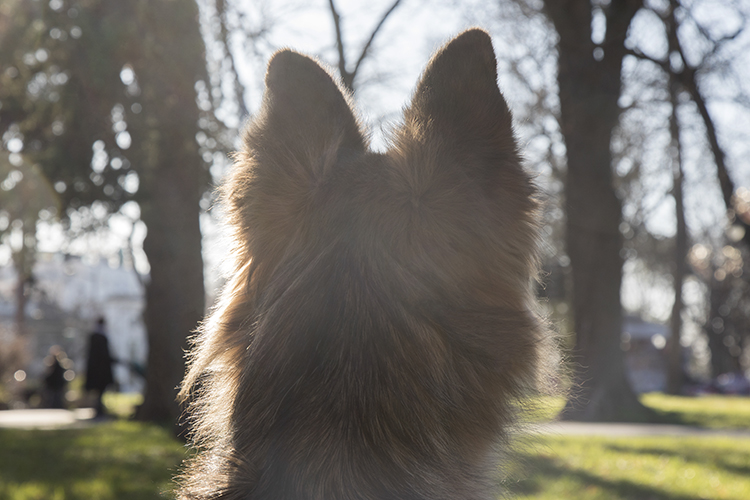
[380, 327]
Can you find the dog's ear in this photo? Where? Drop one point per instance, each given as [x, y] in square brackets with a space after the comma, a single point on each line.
[305, 114]
[458, 105]
[304, 127]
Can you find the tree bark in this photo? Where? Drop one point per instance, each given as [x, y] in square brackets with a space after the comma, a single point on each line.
[675, 368]
[718, 328]
[175, 293]
[173, 178]
[589, 90]
[19, 260]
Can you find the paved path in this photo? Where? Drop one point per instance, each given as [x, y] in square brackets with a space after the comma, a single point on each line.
[46, 419]
[617, 429]
[82, 417]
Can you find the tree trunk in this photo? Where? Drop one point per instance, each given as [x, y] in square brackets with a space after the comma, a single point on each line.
[718, 329]
[175, 293]
[675, 368]
[173, 179]
[20, 291]
[589, 90]
[675, 371]
[23, 260]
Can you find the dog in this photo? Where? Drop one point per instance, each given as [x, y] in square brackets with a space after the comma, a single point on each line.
[380, 326]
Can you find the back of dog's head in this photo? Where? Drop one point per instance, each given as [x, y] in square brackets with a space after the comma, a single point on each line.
[380, 322]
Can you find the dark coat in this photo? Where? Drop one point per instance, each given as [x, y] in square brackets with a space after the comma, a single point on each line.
[98, 363]
[55, 378]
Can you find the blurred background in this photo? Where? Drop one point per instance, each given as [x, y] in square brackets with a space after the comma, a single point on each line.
[118, 119]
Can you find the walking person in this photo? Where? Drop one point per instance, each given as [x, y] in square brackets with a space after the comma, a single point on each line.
[53, 394]
[99, 365]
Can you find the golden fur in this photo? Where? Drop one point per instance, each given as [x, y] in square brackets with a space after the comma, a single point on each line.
[380, 324]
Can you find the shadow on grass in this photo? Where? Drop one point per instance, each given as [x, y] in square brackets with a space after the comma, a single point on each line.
[116, 460]
[673, 418]
[727, 460]
[547, 470]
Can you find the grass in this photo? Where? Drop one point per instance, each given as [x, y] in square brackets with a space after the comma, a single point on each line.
[648, 468]
[122, 404]
[642, 468]
[117, 460]
[135, 461]
[713, 412]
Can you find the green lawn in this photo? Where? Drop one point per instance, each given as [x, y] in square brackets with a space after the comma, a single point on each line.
[133, 461]
[647, 468]
[117, 460]
[713, 412]
[652, 468]
[122, 404]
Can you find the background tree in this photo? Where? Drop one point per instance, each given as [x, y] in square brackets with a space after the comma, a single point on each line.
[165, 50]
[349, 75]
[25, 195]
[698, 51]
[104, 102]
[600, 83]
[589, 80]
[675, 366]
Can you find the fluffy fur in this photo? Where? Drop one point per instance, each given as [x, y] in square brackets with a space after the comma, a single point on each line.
[380, 325]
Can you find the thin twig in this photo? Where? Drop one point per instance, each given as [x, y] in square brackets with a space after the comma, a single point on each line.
[340, 45]
[224, 33]
[366, 48]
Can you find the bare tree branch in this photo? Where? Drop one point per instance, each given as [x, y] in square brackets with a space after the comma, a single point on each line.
[662, 63]
[347, 77]
[688, 78]
[716, 43]
[221, 9]
[366, 48]
[619, 15]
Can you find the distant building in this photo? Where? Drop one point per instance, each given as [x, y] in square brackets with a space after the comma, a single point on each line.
[70, 293]
[645, 356]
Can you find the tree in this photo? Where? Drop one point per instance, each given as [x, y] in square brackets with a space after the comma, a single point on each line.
[697, 51]
[166, 54]
[23, 196]
[114, 118]
[688, 76]
[589, 80]
[593, 42]
[348, 75]
[675, 367]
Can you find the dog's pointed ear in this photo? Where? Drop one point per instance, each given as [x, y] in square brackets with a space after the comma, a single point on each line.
[304, 112]
[458, 103]
[303, 129]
